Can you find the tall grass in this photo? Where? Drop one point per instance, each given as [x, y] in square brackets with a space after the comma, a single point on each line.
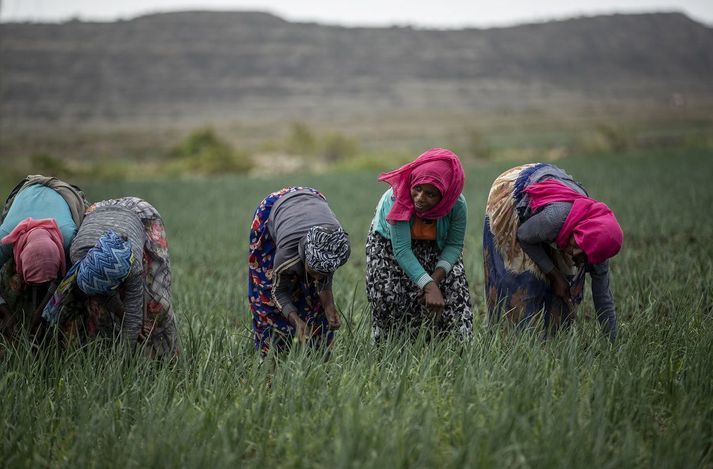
[498, 401]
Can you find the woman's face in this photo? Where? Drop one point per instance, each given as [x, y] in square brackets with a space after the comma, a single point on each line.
[315, 278]
[313, 274]
[425, 197]
[575, 252]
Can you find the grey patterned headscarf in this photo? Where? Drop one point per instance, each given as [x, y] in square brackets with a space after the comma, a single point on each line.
[326, 249]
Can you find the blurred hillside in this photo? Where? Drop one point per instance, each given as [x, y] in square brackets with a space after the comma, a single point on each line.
[191, 67]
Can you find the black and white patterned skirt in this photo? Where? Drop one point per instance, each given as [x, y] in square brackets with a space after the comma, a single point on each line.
[397, 303]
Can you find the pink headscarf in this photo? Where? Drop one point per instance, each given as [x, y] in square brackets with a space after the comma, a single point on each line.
[38, 250]
[437, 166]
[592, 223]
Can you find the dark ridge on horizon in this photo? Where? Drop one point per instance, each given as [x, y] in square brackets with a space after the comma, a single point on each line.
[207, 64]
[267, 16]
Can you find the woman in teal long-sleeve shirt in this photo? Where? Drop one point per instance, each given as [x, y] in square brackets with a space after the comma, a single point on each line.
[415, 276]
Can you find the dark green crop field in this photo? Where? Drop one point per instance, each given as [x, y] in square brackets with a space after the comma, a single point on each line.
[497, 401]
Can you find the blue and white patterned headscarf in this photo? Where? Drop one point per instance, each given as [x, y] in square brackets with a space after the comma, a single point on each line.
[105, 265]
[326, 249]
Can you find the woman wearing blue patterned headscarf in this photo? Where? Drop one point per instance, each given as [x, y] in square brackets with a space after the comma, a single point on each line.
[120, 280]
[296, 245]
[105, 265]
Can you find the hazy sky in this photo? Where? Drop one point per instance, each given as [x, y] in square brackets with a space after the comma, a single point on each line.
[437, 13]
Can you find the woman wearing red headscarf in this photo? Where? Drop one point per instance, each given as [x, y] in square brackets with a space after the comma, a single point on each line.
[37, 225]
[414, 273]
[542, 234]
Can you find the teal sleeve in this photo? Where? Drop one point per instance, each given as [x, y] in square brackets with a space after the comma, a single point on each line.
[453, 247]
[401, 245]
[379, 222]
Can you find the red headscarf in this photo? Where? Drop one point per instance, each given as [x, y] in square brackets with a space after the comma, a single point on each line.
[437, 166]
[592, 223]
[38, 250]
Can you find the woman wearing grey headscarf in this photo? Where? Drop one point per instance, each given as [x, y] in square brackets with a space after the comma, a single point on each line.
[296, 245]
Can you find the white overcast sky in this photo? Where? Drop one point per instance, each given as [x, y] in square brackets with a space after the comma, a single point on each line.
[434, 13]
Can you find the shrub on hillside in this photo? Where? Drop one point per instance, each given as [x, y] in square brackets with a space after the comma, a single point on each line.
[606, 138]
[477, 145]
[44, 163]
[304, 142]
[301, 140]
[204, 152]
[337, 147]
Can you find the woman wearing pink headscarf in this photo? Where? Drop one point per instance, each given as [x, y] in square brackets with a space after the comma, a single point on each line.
[37, 225]
[542, 234]
[414, 273]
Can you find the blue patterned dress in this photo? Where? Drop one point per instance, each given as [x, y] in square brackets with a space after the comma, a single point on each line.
[270, 326]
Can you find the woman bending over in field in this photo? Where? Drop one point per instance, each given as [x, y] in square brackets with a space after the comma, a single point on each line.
[120, 282]
[414, 264]
[296, 245]
[542, 233]
[38, 223]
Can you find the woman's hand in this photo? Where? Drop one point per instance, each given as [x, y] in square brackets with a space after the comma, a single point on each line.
[300, 327]
[434, 298]
[561, 288]
[559, 284]
[330, 310]
[438, 275]
[332, 317]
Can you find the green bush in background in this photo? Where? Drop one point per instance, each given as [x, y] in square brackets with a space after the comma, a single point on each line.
[301, 140]
[330, 148]
[45, 163]
[203, 152]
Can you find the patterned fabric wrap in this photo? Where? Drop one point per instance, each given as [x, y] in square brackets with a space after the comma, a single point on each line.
[517, 292]
[270, 327]
[61, 296]
[105, 265]
[505, 193]
[397, 303]
[325, 249]
[159, 335]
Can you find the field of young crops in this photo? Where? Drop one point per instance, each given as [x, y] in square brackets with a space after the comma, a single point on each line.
[498, 401]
